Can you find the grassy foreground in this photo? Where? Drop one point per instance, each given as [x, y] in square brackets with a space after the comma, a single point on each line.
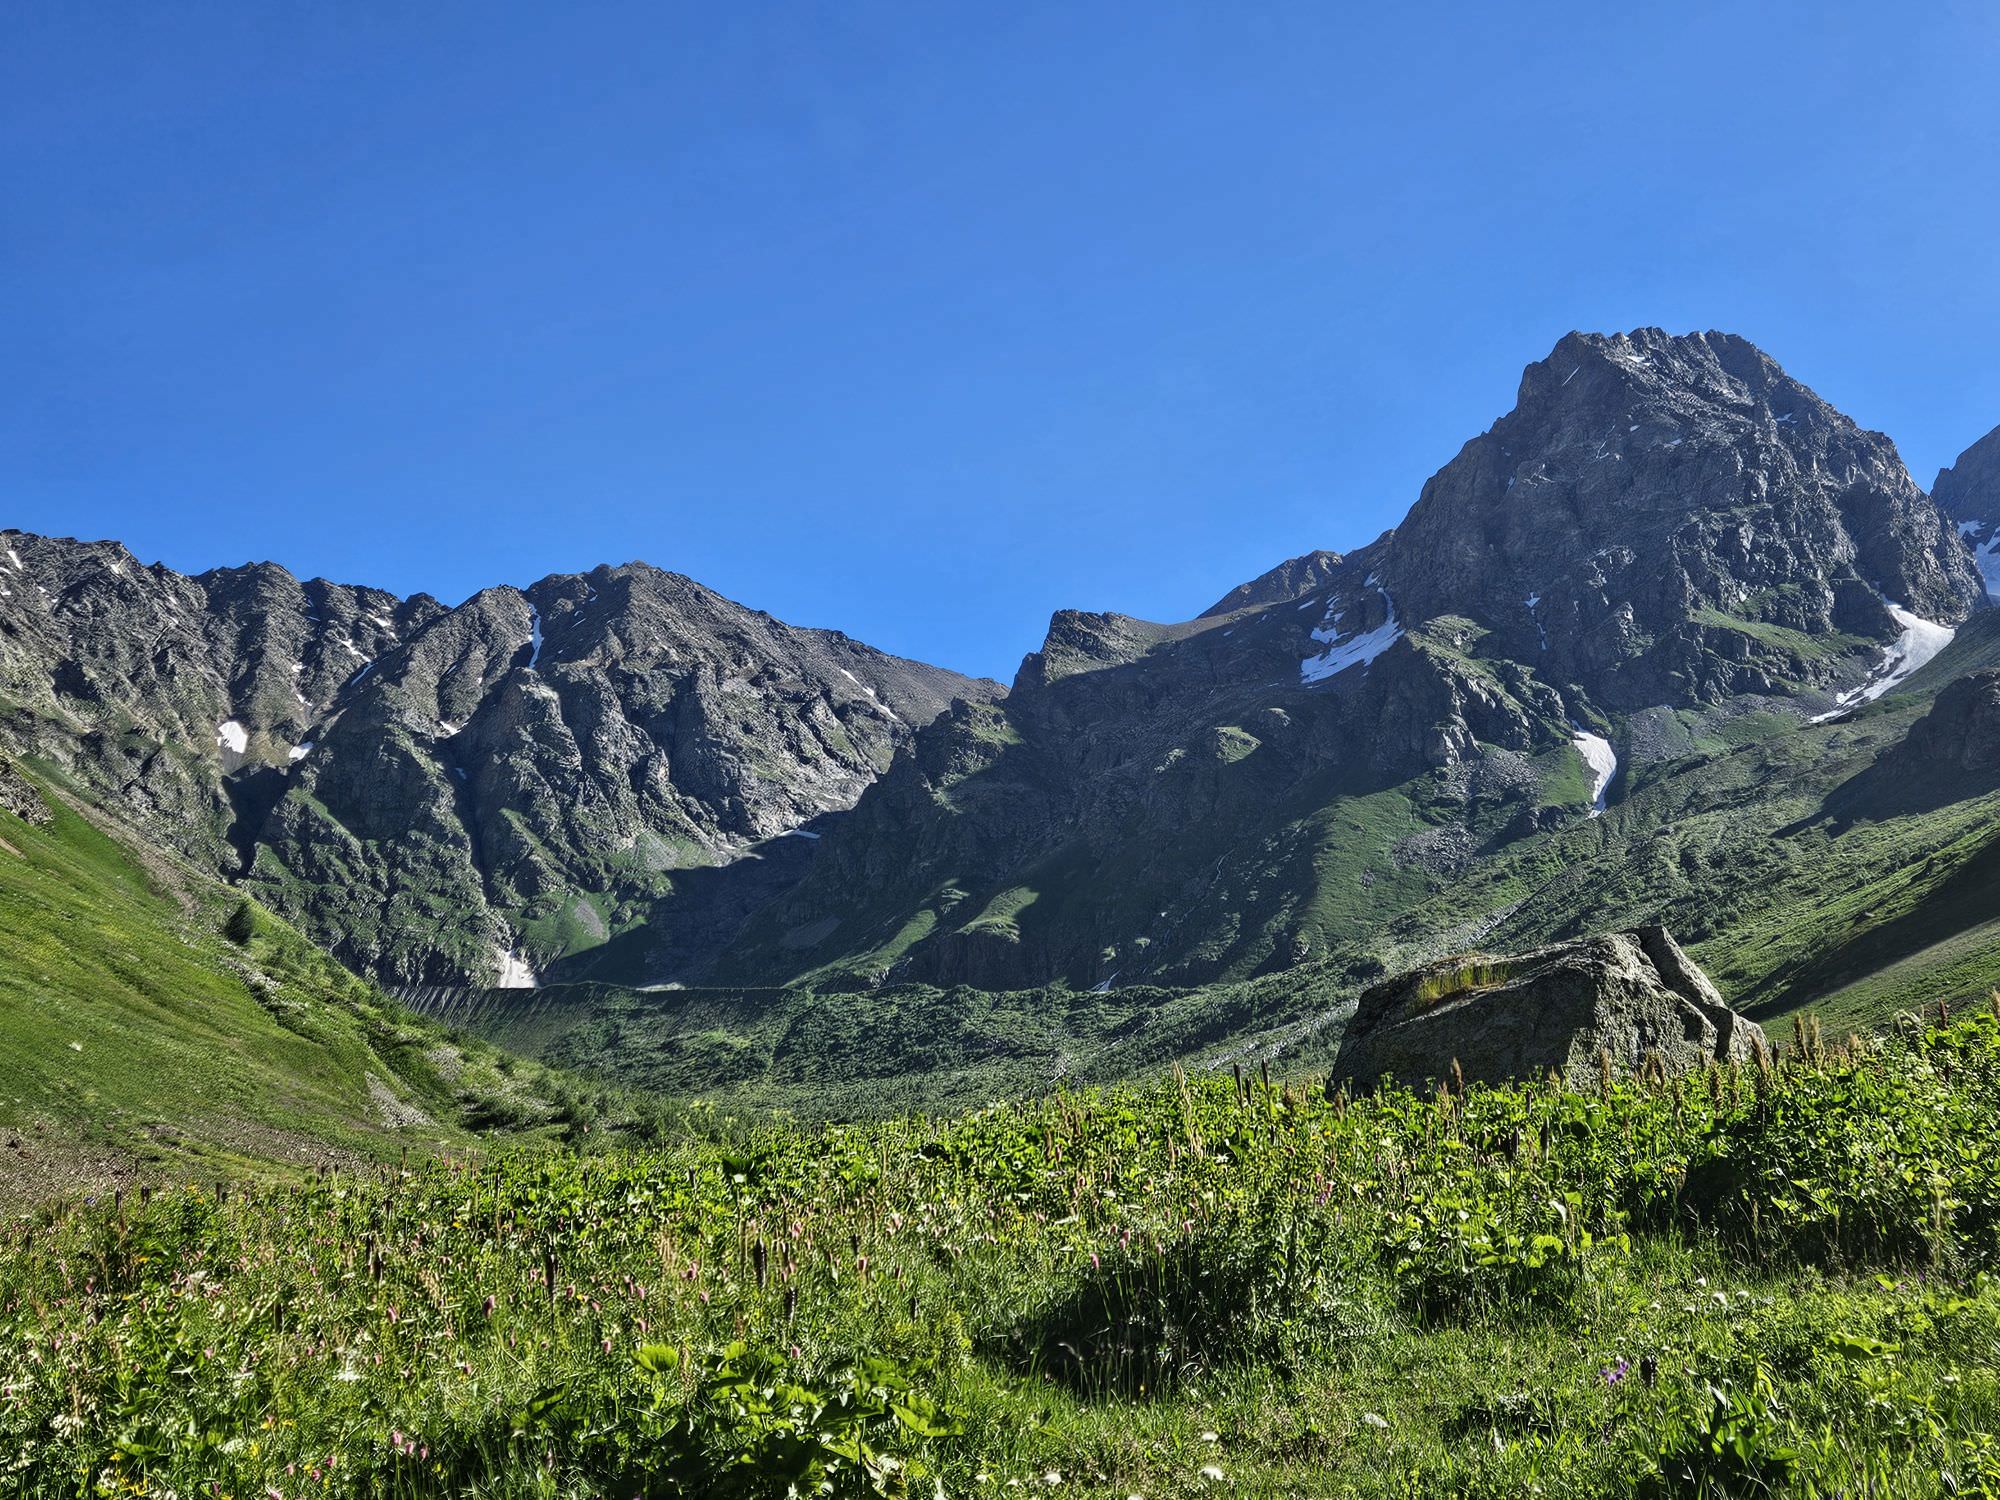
[1767, 1281]
[153, 1022]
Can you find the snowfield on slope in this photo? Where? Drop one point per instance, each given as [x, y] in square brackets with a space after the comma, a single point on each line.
[1355, 651]
[1603, 762]
[1920, 640]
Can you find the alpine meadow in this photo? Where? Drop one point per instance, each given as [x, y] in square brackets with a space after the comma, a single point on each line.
[1504, 1001]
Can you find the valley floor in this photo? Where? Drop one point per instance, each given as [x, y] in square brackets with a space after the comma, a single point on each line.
[1752, 1282]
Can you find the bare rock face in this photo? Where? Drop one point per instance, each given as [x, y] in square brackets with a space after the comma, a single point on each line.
[1969, 493]
[1292, 579]
[1632, 994]
[440, 794]
[1674, 519]
[19, 798]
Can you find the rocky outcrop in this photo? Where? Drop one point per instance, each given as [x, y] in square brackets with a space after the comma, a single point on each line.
[18, 797]
[1668, 519]
[1292, 579]
[1633, 996]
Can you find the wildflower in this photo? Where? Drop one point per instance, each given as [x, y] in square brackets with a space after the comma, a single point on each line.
[1375, 1419]
[1212, 1473]
[1614, 1373]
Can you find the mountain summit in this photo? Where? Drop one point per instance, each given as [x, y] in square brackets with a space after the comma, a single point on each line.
[1666, 536]
[1969, 493]
[1662, 519]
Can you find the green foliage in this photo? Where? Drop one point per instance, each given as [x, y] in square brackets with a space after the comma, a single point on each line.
[155, 1021]
[242, 924]
[1509, 1291]
[1727, 1448]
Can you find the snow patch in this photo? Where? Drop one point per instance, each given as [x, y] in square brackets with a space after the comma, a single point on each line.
[1600, 757]
[514, 972]
[1987, 556]
[872, 697]
[534, 636]
[1534, 601]
[1920, 640]
[1353, 651]
[800, 833]
[299, 752]
[230, 735]
[15, 558]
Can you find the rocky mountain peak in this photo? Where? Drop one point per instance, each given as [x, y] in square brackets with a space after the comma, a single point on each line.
[1969, 493]
[1661, 517]
[1292, 579]
[440, 792]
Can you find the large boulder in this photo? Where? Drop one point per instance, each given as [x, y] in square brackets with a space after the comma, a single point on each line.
[1633, 994]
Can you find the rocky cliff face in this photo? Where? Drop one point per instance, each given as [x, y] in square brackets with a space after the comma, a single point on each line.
[1674, 519]
[441, 794]
[1664, 533]
[1969, 494]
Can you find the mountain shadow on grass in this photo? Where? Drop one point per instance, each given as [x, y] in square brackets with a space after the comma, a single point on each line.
[1966, 898]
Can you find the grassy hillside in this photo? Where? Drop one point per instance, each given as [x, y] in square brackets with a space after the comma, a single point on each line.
[138, 1038]
[1758, 1282]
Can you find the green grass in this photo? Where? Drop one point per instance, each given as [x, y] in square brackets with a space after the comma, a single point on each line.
[1745, 1283]
[139, 1041]
[1795, 643]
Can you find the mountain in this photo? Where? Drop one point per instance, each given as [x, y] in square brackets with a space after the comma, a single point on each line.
[1667, 545]
[444, 794]
[1673, 642]
[1969, 493]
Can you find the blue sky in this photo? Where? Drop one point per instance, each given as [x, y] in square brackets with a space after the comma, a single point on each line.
[923, 321]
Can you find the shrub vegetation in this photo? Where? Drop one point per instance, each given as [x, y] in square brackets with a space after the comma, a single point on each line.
[1774, 1280]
